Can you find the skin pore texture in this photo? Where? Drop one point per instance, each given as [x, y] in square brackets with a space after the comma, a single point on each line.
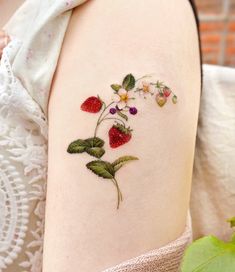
[105, 41]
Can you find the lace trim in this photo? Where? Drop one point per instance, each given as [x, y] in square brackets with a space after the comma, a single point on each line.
[23, 137]
[14, 213]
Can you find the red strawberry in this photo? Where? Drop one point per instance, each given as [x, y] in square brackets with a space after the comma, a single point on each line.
[166, 91]
[92, 104]
[119, 135]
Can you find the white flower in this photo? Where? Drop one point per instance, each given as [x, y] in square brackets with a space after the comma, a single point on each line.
[40, 209]
[123, 98]
[145, 88]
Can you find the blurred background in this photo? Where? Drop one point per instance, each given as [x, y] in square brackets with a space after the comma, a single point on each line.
[217, 24]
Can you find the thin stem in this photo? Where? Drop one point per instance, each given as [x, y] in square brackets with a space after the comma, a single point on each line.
[118, 198]
[101, 120]
[150, 75]
[119, 194]
[98, 121]
[112, 118]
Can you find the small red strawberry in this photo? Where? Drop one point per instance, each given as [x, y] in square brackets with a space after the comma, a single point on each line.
[92, 104]
[166, 91]
[119, 135]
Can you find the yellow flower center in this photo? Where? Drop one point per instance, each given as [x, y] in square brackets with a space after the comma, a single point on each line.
[124, 97]
[146, 88]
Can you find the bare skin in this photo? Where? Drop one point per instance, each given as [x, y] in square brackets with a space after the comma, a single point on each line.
[7, 9]
[105, 41]
[4, 40]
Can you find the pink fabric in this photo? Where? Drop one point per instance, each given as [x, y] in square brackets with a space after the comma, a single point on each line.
[166, 258]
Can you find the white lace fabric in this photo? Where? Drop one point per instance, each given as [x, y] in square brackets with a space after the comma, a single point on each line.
[23, 163]
[26, 71]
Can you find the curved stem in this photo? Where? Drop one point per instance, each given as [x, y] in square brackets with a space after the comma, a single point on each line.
[112, 118]
[119, 194]
[150, 75]
[98, 121]
[101, 120]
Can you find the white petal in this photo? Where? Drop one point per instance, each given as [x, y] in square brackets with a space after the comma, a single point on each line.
[122, 91]
[116, 98]
[142, 83]
[130, 94]
[146, 83]
[151, 88]
[121, 105]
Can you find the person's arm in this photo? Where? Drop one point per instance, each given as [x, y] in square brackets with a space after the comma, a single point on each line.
[105, 41]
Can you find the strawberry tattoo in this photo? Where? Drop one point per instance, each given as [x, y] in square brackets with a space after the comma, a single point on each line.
[161, 99]
[92, 104]
[119, 110]
[119, 135]
[166, 91]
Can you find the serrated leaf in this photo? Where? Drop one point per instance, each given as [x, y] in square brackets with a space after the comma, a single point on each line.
[118, 163]
[102, 169]
[94, 142]
[128, 82]
[77, 146]
[97, 152]
[116, 87]
[209, 254]
[124, 116]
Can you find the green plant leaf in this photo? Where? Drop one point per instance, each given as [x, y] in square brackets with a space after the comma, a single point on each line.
[116, 87]
[124, 116]
[97, 152]
[231, 221]
[102, 169]
[118, 163]
[94, 142]
[209, 254]
[128, 82]
[77, 146]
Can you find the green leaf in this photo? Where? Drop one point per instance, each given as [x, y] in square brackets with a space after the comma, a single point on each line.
[102, 169]
[231, 221]
[94, 142]
[77, 146]
[124, 116]
[209, 254]
[97, 152]
[116, 87]
[118, 163]
[128, 82]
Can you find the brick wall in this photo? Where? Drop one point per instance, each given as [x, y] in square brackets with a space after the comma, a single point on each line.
[217, 25]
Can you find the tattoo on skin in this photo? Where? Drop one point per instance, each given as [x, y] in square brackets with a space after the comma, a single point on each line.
[117, 111]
